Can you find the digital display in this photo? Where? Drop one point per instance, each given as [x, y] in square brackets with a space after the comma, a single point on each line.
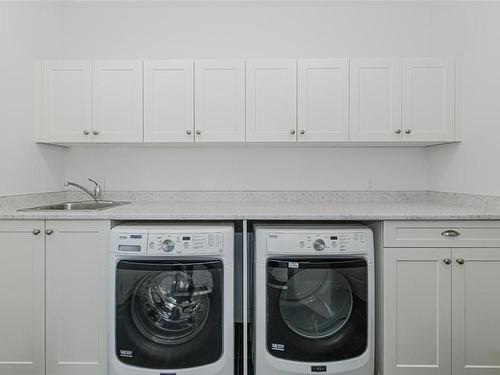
[136, 236]
[186, 238]
[333, 238]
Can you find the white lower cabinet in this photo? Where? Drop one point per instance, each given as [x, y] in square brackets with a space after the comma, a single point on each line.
[76, 297]
[476, 312]
[53, 293]
[417, 312]
[22, 288]
[440, 305]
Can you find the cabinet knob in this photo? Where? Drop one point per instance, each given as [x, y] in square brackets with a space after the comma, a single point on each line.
[188, 132]
[397, 131]
[408, 131]
[36, 232]
[48, 232]
[292, 132]
[95, 132]
[460, 261]
[302, 132]
[447, 261]
[450, 233]
[198, 132]
[86, 132]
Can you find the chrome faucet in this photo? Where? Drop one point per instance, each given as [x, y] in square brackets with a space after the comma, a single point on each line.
[96, 194]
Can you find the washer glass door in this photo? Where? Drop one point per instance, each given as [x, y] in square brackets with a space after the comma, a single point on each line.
[316, 308]
[167, 309]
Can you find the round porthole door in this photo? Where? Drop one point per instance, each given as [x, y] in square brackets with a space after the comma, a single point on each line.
[167, 310]
[316, 309]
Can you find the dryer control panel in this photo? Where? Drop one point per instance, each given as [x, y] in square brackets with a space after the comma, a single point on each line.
[337, 242]
[185, 243]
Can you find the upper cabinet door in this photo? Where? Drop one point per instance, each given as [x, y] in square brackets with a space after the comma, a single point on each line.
[476, 308]
[376, 100]
[429, 99]
[66, 101]
[271, 100]
[323, 100]
[117, 101]
[168, 101]
[220, 101]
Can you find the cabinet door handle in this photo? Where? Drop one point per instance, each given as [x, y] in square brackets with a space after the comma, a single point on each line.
[292, 132]
[450, 233]
[408, 131]
[86, 132]
[460, 261]
[95, 132]
[198, 132]
[397, 131]
[36, 232]
[48, 232]
[302, 132]
[188, 132]
[447, 261]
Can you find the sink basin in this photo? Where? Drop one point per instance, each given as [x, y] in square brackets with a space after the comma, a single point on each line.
[77, 206]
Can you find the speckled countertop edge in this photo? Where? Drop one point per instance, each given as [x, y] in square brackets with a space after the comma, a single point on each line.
[231, 205]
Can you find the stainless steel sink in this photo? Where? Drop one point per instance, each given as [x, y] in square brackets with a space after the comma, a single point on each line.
[77, 206]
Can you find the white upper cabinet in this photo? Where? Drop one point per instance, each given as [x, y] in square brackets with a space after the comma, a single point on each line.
[66, 101]
[376, 100]
[168, 101]
[429, 99]
[323, 100]
[271, 100]
[117, 101]
[220, 101]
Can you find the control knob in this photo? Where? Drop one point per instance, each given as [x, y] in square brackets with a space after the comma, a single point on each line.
[167, 245]
[319, 244]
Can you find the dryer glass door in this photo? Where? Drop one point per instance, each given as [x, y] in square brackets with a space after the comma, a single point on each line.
[316, 308]
[166, 310]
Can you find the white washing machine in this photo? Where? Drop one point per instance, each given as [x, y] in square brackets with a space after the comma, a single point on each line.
[171, 300]
[314, 300]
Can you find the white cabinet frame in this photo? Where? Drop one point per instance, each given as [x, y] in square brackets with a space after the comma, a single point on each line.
[375, 100]
[168, 101]
[323, 100]
[220, 100]
[271, 100]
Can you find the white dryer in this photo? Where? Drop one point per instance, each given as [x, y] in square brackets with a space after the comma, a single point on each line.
[314, 300]
[171, 299]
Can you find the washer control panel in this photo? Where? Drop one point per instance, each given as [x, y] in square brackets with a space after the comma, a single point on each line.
[317, 242]
[185, 243]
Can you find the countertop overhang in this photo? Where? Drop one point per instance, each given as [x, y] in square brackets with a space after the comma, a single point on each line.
[271, 210]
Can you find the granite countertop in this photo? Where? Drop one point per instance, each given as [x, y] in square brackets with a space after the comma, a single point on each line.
[349, 206]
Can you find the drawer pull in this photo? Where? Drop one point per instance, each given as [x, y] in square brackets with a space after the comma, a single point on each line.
[450, 233]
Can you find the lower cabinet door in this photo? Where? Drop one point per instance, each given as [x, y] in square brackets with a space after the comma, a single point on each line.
[417, 311]
[476, 311]
[22, 291]
[76, 326]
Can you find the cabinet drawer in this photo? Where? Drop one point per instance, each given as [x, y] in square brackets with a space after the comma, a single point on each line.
[442, 234]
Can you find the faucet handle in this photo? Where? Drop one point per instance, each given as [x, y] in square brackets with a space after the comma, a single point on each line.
[97, 190]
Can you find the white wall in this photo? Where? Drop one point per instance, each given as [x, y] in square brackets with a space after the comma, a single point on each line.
[474, 166]
[236, 31]
[27, 32]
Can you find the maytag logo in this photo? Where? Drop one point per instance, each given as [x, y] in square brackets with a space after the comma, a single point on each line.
[126, 353]
[278, 347]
